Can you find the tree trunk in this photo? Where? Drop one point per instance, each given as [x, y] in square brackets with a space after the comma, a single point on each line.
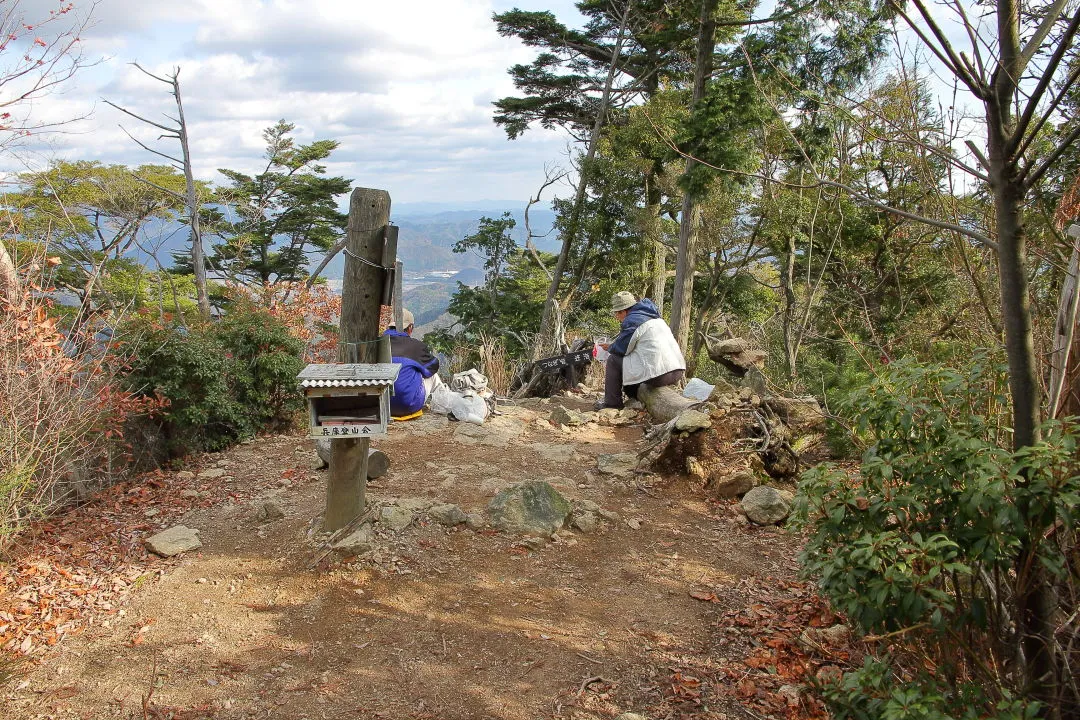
[663, 403]
[191, 199]
[1034, 592]
[654, 242]
[683, 298]
[545, 340]
[787, 285]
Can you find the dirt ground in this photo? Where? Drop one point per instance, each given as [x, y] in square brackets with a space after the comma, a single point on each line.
[651, 613]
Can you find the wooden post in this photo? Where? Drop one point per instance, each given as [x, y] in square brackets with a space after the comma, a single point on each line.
[361, 293]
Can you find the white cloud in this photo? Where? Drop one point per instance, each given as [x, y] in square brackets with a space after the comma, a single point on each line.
[406, 88]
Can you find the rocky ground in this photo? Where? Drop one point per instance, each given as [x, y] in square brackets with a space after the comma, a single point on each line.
[657, 597]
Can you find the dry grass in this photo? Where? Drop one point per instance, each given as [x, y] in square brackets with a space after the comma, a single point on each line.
[495, 364]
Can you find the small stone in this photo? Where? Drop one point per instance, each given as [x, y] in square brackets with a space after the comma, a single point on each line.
[691, 420]
[212, 473]
[189, 493]
[475, 521]
[185, 475]
[791, 694]
[565, 416]
[631, 716]
[755, 401]
[586, 522]
[745, 394]
[633, 524]
[732, 486]
[324, 450]
[174, 541]
[222, 463]
[447, 514]
[416, 505]
[270, 511]
[586, 506]
[830, 637]
[151, 512]
[765, 505]
[396, 518]
[555, 453]
[617, 464]
[609, 515]
[533, 543]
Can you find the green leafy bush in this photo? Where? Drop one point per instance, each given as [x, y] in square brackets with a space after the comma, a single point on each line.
[924, 543]
[224, 381]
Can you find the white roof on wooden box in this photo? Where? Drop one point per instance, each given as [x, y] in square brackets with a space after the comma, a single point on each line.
[345, 375]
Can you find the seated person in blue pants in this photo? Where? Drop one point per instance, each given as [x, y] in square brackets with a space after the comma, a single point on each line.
[645, 351]
[419, 374]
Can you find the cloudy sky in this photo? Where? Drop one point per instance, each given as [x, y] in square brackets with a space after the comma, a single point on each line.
[405, 86]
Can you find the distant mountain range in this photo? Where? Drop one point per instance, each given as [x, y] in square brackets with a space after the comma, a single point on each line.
[426, 237]
[428, 232]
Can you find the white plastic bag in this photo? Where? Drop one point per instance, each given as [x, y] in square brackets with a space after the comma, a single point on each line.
[469, 407]
[471, 379]
[698, 389]
[441, 399]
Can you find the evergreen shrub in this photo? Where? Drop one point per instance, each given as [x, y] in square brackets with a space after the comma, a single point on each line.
[921, 546]
[223, 381]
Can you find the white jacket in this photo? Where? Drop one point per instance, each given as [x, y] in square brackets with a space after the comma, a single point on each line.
[652, 352]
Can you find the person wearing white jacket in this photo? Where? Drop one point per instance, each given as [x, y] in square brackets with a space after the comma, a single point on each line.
[645, 351]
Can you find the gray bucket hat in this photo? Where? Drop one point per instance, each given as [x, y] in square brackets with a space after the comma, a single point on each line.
[622, 301]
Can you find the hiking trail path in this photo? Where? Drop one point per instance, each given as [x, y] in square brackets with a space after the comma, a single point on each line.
[660, 610]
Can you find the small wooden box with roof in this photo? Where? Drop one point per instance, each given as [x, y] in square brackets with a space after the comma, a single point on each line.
[348, 400]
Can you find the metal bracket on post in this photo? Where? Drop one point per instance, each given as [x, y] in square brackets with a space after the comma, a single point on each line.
[389, 259]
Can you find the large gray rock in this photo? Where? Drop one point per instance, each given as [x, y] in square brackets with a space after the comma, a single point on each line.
[447, 514]
[356, 543]
[691, 420]
[174, 541]
[396, 518]
[618, 464]
[532, 507]
[766, 505]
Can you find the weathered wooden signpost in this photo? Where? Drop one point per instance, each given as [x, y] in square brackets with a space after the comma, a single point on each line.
[350, 407]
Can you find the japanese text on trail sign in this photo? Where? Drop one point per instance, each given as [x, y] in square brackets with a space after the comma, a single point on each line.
[559, 362]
